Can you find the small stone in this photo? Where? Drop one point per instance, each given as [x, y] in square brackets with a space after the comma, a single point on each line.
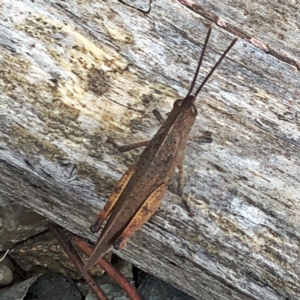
[155, 289]
[53, 286]
[6, 275]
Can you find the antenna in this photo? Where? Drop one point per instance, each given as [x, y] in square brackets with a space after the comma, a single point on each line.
[215, 66]
[200, 60]
[200, 63]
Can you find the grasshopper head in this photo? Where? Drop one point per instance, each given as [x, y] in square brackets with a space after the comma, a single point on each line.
[188, 101]
[187, 104]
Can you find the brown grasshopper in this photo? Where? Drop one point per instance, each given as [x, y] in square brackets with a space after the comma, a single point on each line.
[141, 189]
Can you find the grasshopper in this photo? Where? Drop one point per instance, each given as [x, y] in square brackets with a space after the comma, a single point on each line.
[141, 189]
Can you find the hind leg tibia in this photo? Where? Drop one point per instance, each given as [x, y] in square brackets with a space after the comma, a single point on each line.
[112, 200]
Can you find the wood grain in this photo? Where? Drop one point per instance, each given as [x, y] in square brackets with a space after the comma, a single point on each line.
[77, 76]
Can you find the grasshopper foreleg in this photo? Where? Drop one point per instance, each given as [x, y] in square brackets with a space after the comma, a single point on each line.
[112, 200]
[143, 143]
[142, 216]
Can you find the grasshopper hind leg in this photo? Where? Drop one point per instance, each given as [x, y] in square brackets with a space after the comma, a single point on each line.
[142, 216]
[112, 200]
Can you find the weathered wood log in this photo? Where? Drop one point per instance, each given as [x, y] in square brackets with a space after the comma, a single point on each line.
[76, 76]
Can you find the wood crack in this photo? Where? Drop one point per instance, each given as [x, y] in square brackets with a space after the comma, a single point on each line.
[240, 33]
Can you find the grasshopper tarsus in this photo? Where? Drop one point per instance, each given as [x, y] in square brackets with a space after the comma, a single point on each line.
[179, 192]
[205, 140]
[187, 207]
[94, 227]
[158, 116]
[129, 147]
[118, 242]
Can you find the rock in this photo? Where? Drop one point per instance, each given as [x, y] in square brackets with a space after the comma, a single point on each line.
[124, 267]
[53, 286]
[153, 288]
[111, 291]
[17, 223]
[43, 253]
[6, 275]
[107, 284]
[18, 291]
[75, 75]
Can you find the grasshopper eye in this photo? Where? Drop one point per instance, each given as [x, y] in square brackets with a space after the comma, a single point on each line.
[177, 103]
